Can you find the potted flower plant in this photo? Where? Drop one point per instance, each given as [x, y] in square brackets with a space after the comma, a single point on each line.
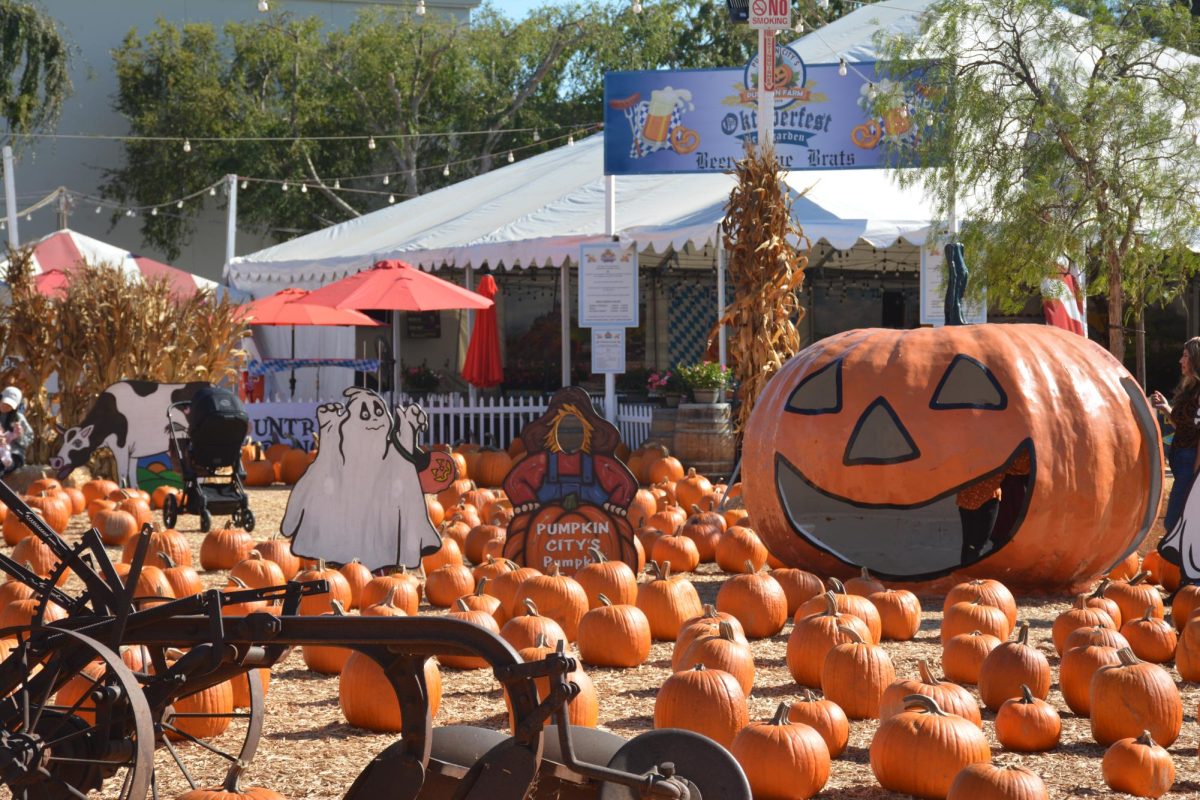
[668, 385]
[706, 380]
[421, 379]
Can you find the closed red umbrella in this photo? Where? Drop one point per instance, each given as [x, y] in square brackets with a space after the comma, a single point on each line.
[396, 286]
[482, 366]
[284, 308]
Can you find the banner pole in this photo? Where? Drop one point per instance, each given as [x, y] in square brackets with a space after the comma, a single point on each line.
[610, 229]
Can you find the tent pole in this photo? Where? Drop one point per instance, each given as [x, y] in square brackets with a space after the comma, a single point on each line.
[10, 198]
[610, 229]
[397, 371]
[722, 343]
[469, 284]
[565, 285]
[231, 182]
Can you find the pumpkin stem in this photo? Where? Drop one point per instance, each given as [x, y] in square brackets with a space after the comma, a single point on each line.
[1146, 739]
[830, 605]
[1146, 614]
[1026, 694]
[652, 569]
[604, 601]
[554, 570]
[926, 672]
[710, 612]
[479, 587]
[854, 636]
[696, 510]
[927, 704]
[596, 555]
[1136, 579]
[461, 605]
[725, 630]
[1023, 632]
[781, 714]
[166, 559]
[530, 608]
[666, 570]
[1080, 601]
[1128, 659]
[389, 599]
[836, 585]
[1100, 587]
[699, 668]
[750, 567]
[255, 554]
[238, 582]
[865, 574]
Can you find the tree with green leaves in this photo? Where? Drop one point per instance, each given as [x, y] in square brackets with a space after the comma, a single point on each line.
[1064, 133]
[34, 69]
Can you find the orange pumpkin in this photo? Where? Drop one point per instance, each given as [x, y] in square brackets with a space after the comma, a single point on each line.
[862, 447]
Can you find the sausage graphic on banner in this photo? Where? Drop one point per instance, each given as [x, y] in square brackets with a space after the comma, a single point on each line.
[570, 492]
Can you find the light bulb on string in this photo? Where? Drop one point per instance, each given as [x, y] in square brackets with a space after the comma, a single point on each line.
[446, 171]
[263, 6]
[337, 183]
[511, 157]
[245, 184]
[420, 8]
[842, 67]
[387, 179]
[179, 204]
[391, 199]
[212, 191]
[285, 186]
[98, 209]
[304, 188]
[799, 27]
[570, 140]
[371, 143]
[154, 211]
[129, 212]
[637, 7]
[537, 137]
[187, 146]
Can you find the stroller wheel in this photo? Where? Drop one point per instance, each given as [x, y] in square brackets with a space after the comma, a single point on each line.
[205, 521]
[170, 511]
[248, 520]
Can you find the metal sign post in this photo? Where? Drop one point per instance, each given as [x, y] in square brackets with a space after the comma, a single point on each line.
[768, 16]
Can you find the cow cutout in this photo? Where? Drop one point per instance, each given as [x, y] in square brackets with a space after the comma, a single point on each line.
[570, 492]
[363, 495]
[130, 419]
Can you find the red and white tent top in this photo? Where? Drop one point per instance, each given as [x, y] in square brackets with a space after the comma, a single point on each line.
[56, 256]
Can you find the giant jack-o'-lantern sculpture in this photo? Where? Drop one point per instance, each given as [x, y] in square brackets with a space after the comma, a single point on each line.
[1019, 452]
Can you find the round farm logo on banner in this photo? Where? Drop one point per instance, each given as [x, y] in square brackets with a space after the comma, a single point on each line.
[791, 79]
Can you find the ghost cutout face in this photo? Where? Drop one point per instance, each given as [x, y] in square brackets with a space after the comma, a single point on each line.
[366, 423]
[877, 447]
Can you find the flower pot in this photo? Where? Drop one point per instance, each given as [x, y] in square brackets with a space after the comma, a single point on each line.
[671, 400]
[706, 395]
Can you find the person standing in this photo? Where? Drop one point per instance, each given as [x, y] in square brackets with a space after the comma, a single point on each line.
[1184, 410]
[15, 433]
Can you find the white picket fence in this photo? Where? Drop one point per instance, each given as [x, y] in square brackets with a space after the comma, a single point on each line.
[490, 421]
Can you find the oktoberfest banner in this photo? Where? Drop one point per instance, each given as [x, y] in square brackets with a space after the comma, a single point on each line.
[700, 120]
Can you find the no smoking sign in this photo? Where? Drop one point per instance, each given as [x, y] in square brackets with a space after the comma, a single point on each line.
[771, 14]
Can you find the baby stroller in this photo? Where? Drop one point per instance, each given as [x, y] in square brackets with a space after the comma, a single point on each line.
[217, 427]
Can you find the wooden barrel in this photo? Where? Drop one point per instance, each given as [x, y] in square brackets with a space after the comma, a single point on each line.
[662, 427]
[704, 438]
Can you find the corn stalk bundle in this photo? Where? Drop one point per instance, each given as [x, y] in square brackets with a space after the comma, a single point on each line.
[766, 271]
[108, 328]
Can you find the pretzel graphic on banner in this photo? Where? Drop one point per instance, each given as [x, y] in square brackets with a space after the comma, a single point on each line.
[656, 123]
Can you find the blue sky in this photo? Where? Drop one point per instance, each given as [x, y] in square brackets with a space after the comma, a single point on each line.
[517, 9]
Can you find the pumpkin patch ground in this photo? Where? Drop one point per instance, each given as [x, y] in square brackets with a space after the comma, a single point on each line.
[310, 752]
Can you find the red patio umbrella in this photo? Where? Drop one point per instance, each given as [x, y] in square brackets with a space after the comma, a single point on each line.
[396, 286]
[482, 366]
[284, 308]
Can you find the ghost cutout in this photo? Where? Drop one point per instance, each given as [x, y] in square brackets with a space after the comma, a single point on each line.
[1181, 545]
[361, 497]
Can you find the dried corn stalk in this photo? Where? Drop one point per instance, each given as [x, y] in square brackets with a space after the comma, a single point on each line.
[766, 271]
[108, 328]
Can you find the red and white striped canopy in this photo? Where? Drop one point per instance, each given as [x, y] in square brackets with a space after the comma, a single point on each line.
[56, 256]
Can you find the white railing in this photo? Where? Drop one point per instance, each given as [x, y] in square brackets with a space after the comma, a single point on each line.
[453, 418]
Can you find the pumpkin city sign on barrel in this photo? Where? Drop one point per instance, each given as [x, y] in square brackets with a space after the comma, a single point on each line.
[570, 493]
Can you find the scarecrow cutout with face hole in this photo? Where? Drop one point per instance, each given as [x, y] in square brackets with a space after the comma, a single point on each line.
[363, 495]
[1018, 452]
[569, 492]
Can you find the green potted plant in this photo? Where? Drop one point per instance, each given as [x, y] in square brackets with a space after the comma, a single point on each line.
[421, 379]
[667, 385]
[706, 380]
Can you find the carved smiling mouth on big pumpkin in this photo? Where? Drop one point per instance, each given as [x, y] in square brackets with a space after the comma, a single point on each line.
[914, 541]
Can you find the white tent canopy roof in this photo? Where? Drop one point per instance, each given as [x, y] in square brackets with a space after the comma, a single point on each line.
[538, 211]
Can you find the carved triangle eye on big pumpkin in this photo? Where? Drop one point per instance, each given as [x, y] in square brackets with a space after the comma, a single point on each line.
[967, 383]
[819, 393]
